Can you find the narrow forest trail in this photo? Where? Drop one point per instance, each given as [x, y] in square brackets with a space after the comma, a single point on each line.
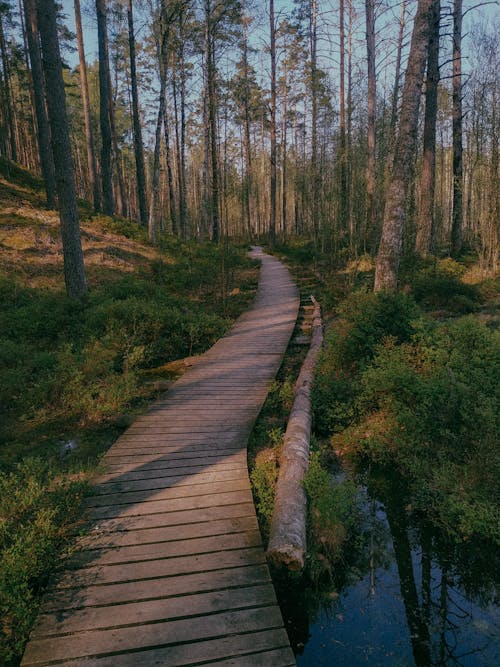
[173, 572]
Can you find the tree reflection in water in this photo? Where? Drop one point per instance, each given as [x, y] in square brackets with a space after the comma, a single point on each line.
[407, 595]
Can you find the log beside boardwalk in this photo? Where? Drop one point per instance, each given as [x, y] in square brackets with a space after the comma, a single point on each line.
[173, 571]
[287, 540]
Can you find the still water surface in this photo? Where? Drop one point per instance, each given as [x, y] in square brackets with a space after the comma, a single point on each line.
[407, 597]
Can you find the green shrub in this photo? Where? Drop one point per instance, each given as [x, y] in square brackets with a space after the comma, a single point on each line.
[370, 319]
[442, 289]
[436, 400]
[333, 514]
[37, 510]
[366, 320]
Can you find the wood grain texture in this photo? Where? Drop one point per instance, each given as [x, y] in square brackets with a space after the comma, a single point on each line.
[172, 571]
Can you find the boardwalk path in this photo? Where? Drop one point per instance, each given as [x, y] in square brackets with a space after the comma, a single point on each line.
[173, 572]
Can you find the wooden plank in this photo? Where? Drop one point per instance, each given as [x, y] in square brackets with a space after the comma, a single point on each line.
[62, 599]
[112, 554]
[160, 482]
[164, 567]
[167, 492]
[100, 538]
[161, 609]
[202, 652]
[173, 504]
[118, 640]
[176, 518]
[157, 473]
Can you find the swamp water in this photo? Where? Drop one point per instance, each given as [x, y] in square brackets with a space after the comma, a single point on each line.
[406, 596]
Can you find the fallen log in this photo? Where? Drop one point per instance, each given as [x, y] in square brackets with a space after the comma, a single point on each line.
[287, 542]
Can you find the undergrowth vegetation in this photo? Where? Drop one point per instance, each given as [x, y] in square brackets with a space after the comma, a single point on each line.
[408, 382]
[406, 390]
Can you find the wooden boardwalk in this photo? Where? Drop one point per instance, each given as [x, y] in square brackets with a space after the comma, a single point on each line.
[173, 572]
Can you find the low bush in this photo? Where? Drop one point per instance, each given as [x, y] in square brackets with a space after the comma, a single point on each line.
[37, 513]
[439, 289]
[333, 515]
[430, 405]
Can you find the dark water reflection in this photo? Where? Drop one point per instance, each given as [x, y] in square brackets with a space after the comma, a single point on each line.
[407, 597]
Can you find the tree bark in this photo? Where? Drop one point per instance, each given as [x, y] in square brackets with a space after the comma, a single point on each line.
[425, 224]
[212, 121]
[74, 270]
[43, 131]
[287, 541]
[272, 211]
[8, 96]
[343, 204]
[372, 92]
[89, 135]
[104, 102]
[313, 38]
[389, 254]
[138, 146]
[457, 220]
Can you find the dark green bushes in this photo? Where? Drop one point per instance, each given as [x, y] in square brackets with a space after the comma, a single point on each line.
[78, 363]
[37, 510]
[400, 389]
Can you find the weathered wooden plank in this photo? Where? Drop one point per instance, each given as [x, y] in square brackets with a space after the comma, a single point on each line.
[118, 640]
[149, 589]
[160, 482]
[173, 504]
[164, 567]
[177, 518]
[161, 609]
[142, 474]
[204, 651]
[168, 492]
[100, 538]
[112, 554]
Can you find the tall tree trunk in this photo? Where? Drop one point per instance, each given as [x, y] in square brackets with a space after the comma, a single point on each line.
[9, 108]
[425, 224]
[456, 226]
[168, 154]
[138, 147]
[212, 122]
[89, 135]
[74, 270]
[183, 222]
[272, 212]
[248, 180]
[104, 103]
[121, 198]
[284, 156]
[343, 204]
[397, 77]
[389, 253]
[43, 133]
[371, 218]
[313, 37]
